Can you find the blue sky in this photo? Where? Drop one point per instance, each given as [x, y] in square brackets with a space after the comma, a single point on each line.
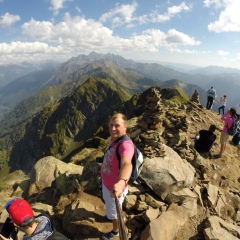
[197, 32]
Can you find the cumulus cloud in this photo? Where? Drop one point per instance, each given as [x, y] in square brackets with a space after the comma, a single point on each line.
[56, 5]
[171, 12]
[120, 15]
[30, 51]
[153, 39]
[229, 17]
[73, 31]
[175, 37]
[215, 3]
[76, 35]
[125, 15]
[26, 47]
[8, 20]
[223, 53]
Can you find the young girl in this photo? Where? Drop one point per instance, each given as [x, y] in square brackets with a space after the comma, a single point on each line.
[223, 103]
[228, 119]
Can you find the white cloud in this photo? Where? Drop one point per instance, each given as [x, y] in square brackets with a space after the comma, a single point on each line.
[70, 32]
[125, 14]
[238, 58]
[56, 5]
[29, 51]
[26, 47]
[215, 3]
[8, 20]
[177, 50]
[76, 35]
[171, 12]
[222, 53]
[120, 14]
[153, 39]
[78, 9]
[229, 18]
[175, 37]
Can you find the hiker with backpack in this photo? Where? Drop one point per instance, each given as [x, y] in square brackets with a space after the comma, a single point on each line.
[230, 128]
[114, 178]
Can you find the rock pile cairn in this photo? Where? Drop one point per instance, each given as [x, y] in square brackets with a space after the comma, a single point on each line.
[195, 97]
[149, 140]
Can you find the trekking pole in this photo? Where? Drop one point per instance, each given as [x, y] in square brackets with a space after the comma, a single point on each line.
[122, 228]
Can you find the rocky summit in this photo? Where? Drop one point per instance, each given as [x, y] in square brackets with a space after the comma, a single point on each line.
[179, 195]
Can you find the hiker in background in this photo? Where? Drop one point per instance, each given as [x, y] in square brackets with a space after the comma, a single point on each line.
[211, 95]
[115, 178]
[223, 104]
[238, 111]
[236, 138]
[228, 119]
[23, 218]
[204, 140]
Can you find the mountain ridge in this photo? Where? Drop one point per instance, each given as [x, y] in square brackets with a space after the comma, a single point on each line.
[94, 64]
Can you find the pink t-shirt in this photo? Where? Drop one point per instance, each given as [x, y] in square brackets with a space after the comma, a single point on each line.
[110, 167]
[227, 118]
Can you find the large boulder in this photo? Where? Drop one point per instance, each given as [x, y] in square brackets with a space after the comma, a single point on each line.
[167, 174]
[217, 228]
[79, 219]
[167, 225]
[51, 172]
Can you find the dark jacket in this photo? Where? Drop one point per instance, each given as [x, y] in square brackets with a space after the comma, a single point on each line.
[44, 231]
[205, 141]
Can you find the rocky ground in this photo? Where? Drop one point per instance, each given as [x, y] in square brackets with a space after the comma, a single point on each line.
[221, 172]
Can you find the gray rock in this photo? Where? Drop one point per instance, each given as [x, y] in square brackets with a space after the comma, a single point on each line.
[51, 172]
[166, 174]
[217, 228]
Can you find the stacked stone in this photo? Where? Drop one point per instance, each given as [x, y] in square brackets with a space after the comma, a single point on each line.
[151, 118]
[149, 141]
[181, 123]
[195, 97]
[183, 149]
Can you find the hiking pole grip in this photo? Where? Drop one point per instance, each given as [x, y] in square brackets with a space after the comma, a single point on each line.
[122, 228]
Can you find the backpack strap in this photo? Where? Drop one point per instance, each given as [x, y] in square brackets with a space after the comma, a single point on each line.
[123, 139]
[113, 143]
[232, 124]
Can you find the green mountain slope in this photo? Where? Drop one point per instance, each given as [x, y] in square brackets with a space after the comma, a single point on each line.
[73, 123]
[61, 128]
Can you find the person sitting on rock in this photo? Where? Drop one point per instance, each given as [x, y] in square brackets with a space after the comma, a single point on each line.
[204, 141]
[22, 216]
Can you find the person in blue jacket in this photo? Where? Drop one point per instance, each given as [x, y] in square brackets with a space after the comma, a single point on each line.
[211, 95]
